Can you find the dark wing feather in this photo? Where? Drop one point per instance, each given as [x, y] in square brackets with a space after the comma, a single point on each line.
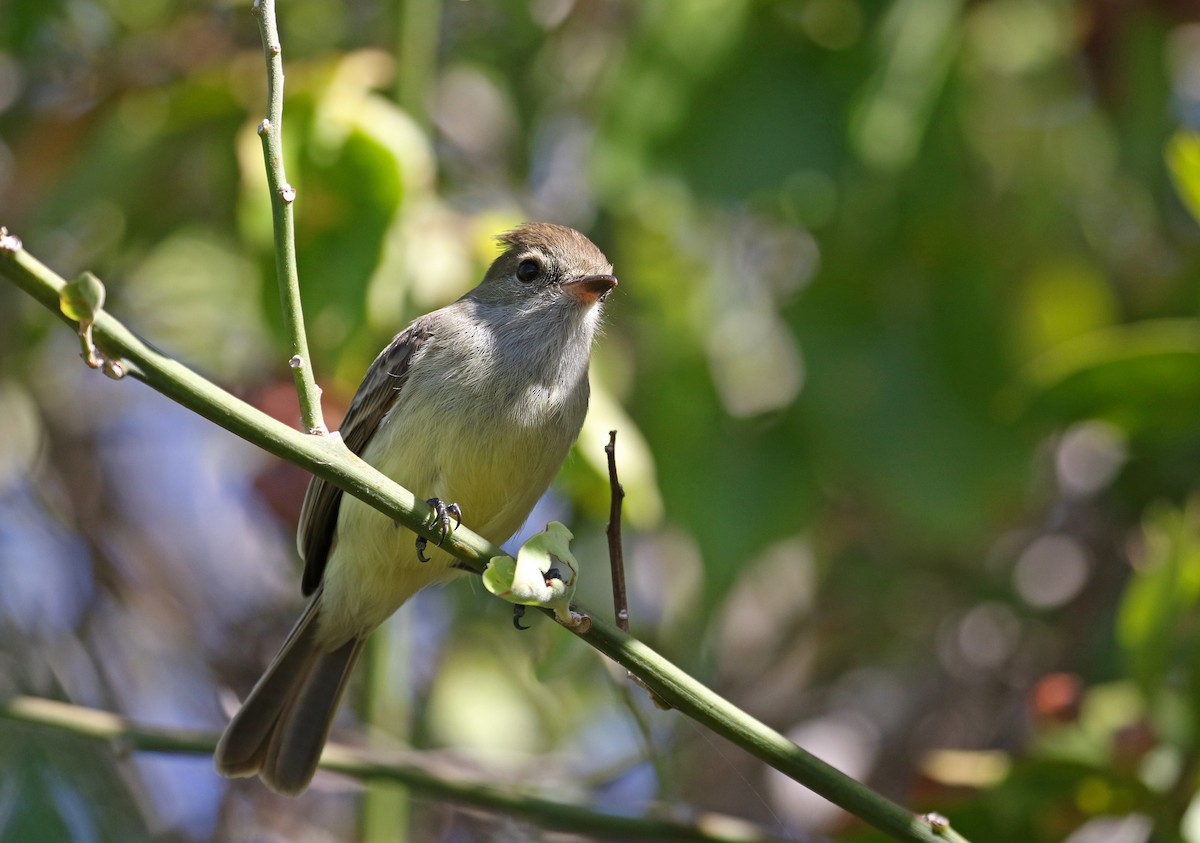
[375, 397]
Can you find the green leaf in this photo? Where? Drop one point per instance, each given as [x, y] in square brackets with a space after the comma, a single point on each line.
[525, 581]
[1157, 623]
[1183, 160]
[1143, 377]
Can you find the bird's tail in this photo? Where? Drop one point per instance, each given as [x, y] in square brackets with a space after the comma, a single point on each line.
[281, 728]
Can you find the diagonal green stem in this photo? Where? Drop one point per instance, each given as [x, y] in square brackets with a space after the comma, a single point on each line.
[681, 691]
[326, 457]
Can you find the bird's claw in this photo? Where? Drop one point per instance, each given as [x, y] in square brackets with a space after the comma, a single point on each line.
[450, 509]
[519, 608]
[442, 513]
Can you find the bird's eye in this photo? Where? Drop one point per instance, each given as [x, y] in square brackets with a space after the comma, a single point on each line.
[528, 270]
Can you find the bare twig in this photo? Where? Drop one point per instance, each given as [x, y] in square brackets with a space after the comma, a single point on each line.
[616, 555]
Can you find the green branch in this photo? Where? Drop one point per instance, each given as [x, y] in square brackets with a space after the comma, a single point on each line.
[283, 197]
[432, 776]
[324, 456]
[327, 457]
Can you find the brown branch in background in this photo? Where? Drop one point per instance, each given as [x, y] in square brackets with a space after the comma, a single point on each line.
[616, 556]
[616, 561]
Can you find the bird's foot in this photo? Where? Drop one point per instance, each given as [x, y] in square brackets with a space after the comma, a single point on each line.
[519, 608]
[442, 513]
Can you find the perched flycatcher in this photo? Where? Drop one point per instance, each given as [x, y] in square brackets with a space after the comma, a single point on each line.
[475, 405]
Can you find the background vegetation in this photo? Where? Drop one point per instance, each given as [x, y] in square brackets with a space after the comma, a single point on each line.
[905, 363]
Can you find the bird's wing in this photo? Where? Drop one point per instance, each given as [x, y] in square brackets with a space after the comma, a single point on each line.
[375, 397]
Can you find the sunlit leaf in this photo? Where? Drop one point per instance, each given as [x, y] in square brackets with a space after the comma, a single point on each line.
[543, 574]
[1183, 160]
[1158, 626]
[1143, 377]
[1062, 298]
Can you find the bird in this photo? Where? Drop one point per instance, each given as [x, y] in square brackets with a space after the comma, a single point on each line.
[474, 406]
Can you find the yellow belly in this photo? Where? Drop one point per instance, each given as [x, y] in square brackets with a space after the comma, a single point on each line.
[496, 478]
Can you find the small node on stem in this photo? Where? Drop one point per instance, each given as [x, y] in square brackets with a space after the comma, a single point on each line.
[579, 622]
[296, 362]
[287, 193]
[113, 369]
[9, 243]
[938, 823]
[256, 8]
[264, 127]
[274, 49]
[659, 702]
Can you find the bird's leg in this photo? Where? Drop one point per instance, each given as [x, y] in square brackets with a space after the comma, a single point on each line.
[519, 608]
[442, 513]
[518, 613]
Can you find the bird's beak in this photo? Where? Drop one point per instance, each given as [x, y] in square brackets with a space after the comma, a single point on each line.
[590, 289]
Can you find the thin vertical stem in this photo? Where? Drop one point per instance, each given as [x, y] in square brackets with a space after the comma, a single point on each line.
[283, 197]
[419, 23]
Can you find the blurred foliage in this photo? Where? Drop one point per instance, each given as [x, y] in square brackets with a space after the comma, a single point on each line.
[904, 362]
